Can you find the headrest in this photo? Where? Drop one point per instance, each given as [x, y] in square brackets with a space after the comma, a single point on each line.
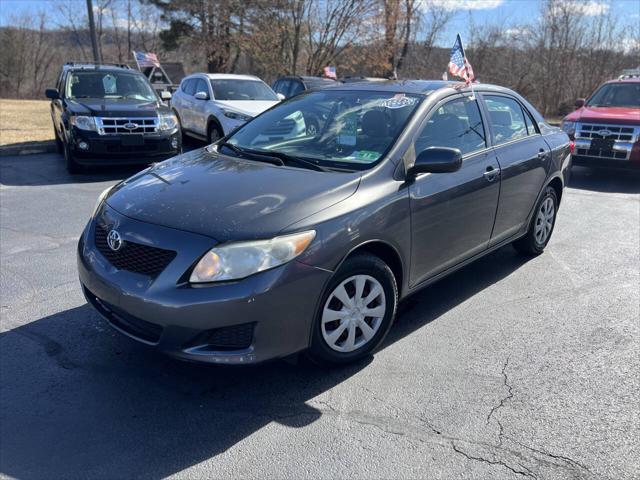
[374, 124]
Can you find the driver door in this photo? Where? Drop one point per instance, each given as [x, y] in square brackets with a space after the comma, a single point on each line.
[452, 214]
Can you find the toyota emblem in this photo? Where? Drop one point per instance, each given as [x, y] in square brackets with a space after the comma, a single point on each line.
[130, 126]
[114, 241]
[604, 133]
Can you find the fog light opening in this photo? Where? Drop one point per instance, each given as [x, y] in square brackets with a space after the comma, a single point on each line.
[83, 145]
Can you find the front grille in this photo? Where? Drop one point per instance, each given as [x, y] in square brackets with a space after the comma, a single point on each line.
[134, 257]
[235, 337]
[613, 142]
[617, 132]
[601, 153]
[134, 326]
[110, 125]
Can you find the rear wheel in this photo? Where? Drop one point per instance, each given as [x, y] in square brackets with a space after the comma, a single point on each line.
[214, 133]
[356, 311]
[541, 227]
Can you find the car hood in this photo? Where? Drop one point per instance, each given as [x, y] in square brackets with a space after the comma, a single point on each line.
[227, 198]
[615, 115]
[114, 107]
[248, 107]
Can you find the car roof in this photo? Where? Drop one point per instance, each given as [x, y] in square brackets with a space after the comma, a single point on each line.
[97, 66]
[225, 76]
[624, 80]
[417, 86]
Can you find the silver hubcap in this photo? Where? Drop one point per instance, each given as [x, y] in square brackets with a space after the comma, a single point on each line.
[544, 221]
[353, 313]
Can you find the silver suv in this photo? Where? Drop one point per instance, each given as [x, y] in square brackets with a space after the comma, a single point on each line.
[210, 105]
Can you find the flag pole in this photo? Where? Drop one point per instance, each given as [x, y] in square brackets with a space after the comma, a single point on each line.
[466, 68]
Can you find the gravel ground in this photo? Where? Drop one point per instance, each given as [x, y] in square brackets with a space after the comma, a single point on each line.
[508, 368]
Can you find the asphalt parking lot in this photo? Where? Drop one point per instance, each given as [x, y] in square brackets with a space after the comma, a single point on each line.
[508, 368]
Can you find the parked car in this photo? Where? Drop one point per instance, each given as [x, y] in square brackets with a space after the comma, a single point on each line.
[605, 128]
[108, 114]
[253, 248]
[210, 105]
[290, 86]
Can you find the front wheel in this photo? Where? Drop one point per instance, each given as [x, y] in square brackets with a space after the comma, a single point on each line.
[356, 311]
[214, 133]
[541, 227]
[73, 167]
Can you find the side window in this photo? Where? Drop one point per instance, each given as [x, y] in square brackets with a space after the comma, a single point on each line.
[189, 86]
[506, 117]
[531, 127]
[201, 86]
[456, 124]
[296, 88]
[282, 87]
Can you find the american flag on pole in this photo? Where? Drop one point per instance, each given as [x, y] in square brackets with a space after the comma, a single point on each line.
[459, 66]
[146, 59]
[330, 72]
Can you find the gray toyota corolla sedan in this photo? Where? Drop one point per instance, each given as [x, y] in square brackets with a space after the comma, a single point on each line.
[279, 238]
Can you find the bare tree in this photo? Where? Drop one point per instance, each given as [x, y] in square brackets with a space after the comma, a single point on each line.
[334, 26]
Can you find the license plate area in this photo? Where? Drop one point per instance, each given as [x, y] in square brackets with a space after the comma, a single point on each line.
[602, 144]
[131, 140]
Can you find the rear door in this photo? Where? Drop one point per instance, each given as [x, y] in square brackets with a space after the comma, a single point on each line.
[186, 103]
[452, 214]
[199, 110]
[524, 159]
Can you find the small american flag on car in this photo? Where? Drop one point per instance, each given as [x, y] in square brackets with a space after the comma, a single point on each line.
[146, 59]
[459, 66]
[330, 72]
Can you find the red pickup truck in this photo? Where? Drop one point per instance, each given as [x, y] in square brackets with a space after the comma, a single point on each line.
[605, 128]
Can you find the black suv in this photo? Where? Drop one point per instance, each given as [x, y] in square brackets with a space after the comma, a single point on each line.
[108, 114]
[293, 85]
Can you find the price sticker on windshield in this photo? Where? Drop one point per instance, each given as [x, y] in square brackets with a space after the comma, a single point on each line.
[109, 84]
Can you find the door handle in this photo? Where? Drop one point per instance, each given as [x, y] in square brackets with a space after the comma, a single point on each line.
[492, 173]
[542, 155]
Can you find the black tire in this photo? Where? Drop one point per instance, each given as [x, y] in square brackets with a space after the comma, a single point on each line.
[73, 167]
[59, 145]
[214, 133]
[529, 244]
[360, 264]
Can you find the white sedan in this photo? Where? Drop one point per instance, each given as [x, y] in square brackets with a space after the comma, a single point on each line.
[210, 105]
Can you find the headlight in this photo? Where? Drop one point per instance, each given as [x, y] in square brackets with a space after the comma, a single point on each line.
[167, 121]
[239, 260]
[569, 127]
[236, 115]
[100, 199]
[83, 122]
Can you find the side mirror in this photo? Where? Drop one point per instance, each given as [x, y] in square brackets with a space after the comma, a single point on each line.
[164, 95]
[280, 96]
[579, 103]
[52, 93]
[202, 96]
[437, 160]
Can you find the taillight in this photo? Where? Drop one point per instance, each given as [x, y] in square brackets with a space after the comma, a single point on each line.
[572, 146]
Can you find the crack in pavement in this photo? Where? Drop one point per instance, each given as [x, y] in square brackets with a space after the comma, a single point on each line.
[528, 473]
[509, 392]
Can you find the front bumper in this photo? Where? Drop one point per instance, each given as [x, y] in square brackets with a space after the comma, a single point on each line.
[122, 149]
[275, 308]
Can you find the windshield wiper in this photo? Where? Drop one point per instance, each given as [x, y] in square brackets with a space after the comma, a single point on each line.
[258, 156]
[286, 159]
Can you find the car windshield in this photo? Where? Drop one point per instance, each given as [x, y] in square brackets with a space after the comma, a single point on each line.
[97, 84]
[616, 95]
[228, 89]
[335, 129]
